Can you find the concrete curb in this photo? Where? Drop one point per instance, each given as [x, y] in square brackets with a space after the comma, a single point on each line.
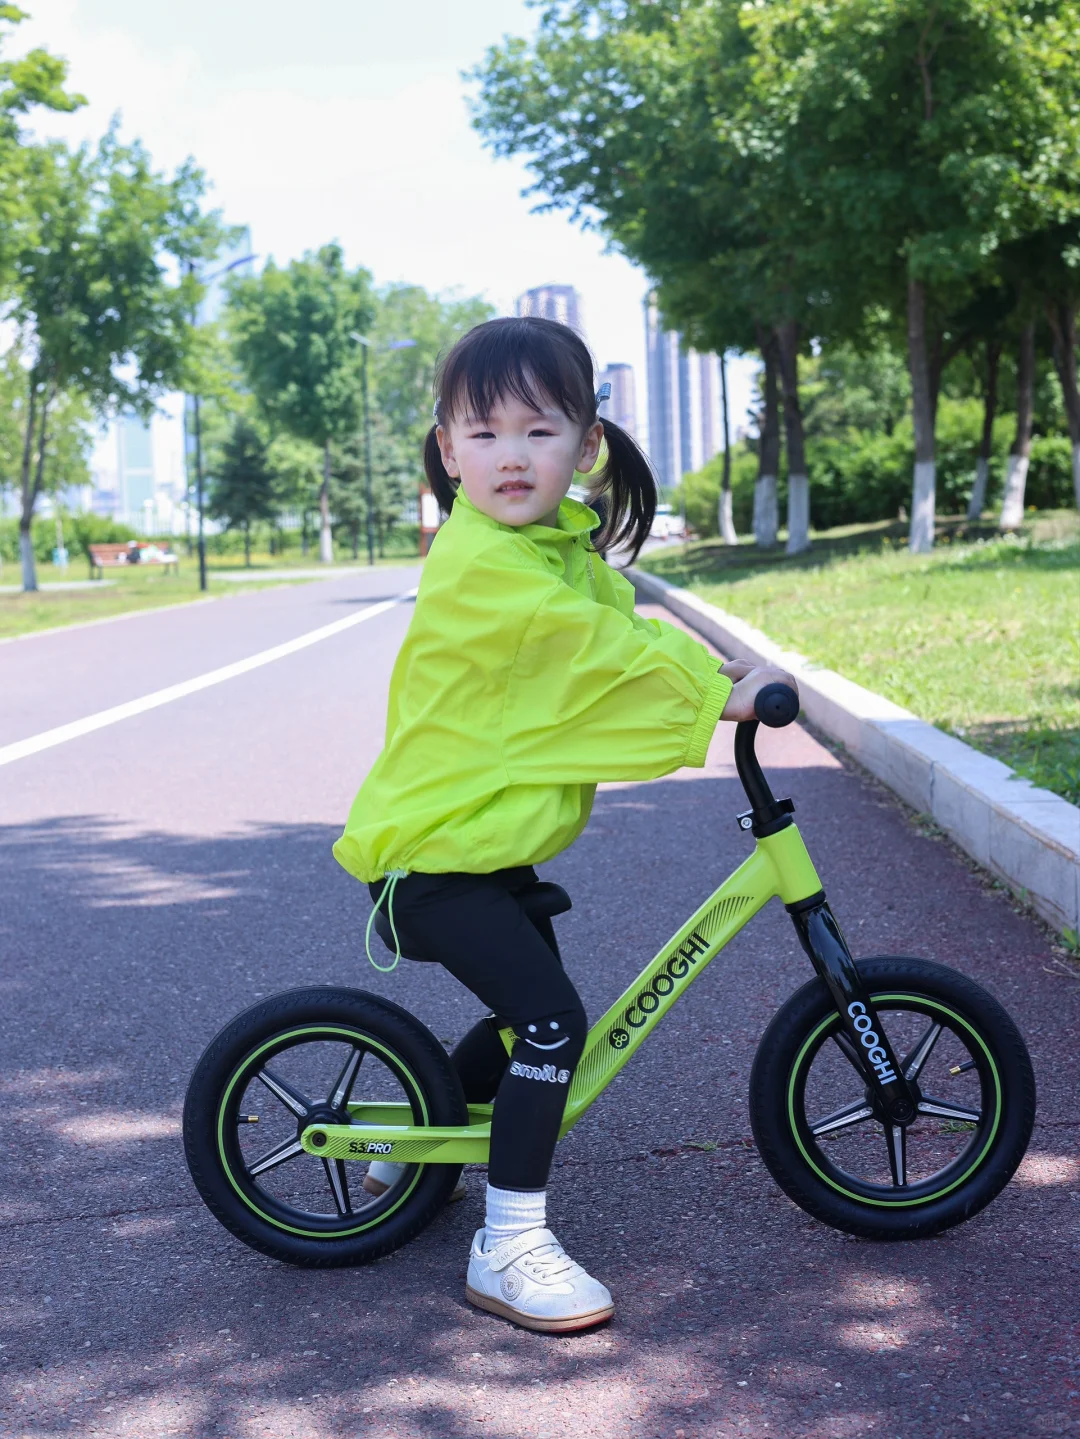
[1025, 835]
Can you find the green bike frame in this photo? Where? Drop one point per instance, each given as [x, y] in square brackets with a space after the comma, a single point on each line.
[779, 867]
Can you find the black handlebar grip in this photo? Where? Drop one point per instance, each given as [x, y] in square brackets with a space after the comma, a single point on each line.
[776, 705]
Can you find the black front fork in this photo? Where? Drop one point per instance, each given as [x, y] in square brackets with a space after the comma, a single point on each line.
[868, 1044]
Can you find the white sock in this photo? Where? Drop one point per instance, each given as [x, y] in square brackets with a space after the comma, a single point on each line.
[511, 1212]
[385, 1171]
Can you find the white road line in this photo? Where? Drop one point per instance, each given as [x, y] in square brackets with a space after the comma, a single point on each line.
[50, 737]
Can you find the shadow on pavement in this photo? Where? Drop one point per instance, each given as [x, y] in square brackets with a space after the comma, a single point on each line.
[129, 1311]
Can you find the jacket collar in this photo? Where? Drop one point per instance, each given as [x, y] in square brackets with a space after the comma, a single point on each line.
[575, 520]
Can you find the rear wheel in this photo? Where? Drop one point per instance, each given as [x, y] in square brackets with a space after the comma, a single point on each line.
[836, 1155]
[293, 1060]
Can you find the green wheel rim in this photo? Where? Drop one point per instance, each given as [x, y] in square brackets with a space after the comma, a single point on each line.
[317, 1031]
[923, 1001]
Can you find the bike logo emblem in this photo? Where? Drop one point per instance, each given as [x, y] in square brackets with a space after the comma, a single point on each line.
[373, 1146]
[662, 984]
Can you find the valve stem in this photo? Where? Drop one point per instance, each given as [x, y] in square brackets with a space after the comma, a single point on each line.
[962, 1068]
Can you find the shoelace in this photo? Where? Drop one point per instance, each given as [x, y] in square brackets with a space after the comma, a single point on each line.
[547, 1262]
[392, 877]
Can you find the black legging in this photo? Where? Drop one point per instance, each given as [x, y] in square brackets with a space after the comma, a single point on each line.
[475, 926]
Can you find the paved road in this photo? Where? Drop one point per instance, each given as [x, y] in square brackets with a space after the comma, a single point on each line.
[159, 873]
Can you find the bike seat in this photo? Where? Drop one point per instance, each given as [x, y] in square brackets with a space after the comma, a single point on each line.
[542, 900]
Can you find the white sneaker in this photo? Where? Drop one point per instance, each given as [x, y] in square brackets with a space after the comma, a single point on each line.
[532, 1281]
[381, 1173]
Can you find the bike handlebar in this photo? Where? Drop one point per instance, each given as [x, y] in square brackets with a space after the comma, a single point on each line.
[776, 705]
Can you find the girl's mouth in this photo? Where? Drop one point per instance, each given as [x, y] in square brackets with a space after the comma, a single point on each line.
[513, 487]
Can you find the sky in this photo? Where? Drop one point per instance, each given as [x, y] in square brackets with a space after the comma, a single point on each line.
[343, 120]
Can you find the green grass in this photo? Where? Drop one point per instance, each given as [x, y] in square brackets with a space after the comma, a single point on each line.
[140, 589]
[981, 638]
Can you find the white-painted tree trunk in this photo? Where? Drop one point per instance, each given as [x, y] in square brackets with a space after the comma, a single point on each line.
[978, 493]
[798, 514]
[26, 555]
[727, 524]
[766, 515]
[1012, 504]
[921, 537]
[326, 533]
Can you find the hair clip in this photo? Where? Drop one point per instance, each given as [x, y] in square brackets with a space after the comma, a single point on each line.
[602, 394]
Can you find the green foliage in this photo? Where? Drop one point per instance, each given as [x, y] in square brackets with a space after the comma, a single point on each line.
[293, 333]
[700, 492]
[80, 531]
[393, 484]
[402, 377]
[242, 490]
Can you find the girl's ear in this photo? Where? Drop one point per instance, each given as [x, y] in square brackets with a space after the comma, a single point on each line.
[446, 449]
[590, 448]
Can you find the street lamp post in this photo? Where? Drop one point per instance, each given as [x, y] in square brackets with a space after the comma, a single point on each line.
[369, 496]
[207, 280]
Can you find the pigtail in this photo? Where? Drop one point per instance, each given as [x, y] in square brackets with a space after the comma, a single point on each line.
[442, 486]
[624, 493]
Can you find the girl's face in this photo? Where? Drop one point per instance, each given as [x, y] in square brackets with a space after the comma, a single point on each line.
[517, 463]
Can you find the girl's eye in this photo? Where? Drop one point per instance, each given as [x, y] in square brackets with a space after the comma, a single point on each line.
[482, 435]
[540, 432]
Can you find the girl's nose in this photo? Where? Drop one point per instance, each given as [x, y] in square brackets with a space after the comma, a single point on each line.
[511, 459]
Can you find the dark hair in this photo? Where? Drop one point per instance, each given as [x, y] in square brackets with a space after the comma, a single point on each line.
[531, 360]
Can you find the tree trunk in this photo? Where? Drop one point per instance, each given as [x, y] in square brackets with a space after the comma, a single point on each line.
[247, 544]
[355, 531]
[923, 407]
[766, 520]
[305, 542]
[1063, 329]
[724, 517]
[1012, 504]
[326, 535]
[982, 464]
[26, 485]
[798, 515]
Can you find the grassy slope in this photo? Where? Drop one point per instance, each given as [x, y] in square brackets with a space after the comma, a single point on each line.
[982, 637]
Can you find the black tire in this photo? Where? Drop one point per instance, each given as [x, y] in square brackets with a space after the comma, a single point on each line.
[981, 1151]
[302, 1028]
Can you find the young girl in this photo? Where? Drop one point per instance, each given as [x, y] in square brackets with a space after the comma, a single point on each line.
[525, 678]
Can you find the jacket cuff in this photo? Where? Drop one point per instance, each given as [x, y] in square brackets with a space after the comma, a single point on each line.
[711, 709]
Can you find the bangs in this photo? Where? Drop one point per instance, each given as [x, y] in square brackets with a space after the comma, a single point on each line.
[537, 362]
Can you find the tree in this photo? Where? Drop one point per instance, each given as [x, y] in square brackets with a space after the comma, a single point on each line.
[37, 80]
[93, 306]
[636, 118]
[393, 475]
[402, 377]
[293, 331]
[242, 491]
[921, 140]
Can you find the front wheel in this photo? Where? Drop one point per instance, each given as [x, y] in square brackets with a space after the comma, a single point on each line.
[831, 1150]
[300, 1058]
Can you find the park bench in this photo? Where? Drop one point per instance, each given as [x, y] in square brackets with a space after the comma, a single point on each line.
[130, 552]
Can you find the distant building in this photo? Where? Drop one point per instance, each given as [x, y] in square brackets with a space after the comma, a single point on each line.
[553, 302]
[685, 429]
[140, 469]
[622, 406]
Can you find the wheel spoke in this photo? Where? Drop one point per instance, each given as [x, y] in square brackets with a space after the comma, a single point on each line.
[853, 1113]
[290, 1097]
[945, 1109]
[912, 1063]
[339, 1184]
[896, 1138]
[339, 1095]
[280, 1154]
[850, 1053]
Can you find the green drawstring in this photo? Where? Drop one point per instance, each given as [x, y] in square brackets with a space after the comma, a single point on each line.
[392, 876]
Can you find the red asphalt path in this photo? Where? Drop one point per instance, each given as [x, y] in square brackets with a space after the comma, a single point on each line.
[159, 874]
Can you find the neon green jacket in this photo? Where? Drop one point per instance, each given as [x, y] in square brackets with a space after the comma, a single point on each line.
[525, 678]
